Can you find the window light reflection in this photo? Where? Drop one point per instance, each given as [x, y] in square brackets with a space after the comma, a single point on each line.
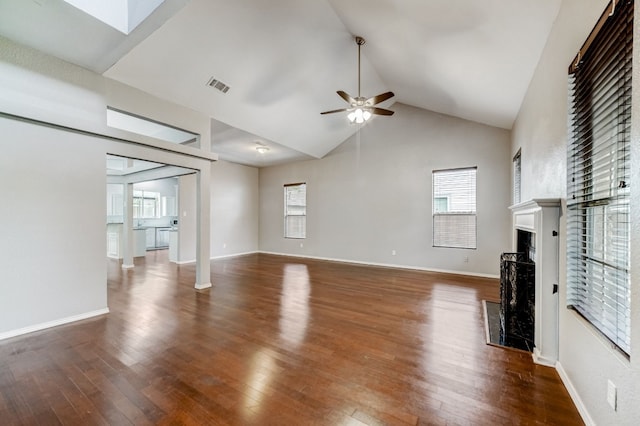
[294, 304]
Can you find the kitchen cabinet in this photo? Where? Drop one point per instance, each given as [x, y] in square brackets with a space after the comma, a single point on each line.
[157, 237]
[173, 245]
[139, 242]
[169, 206]
[114, 240]
[162, 237]
[150, 238]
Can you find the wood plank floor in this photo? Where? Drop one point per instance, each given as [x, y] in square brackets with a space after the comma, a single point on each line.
[282, 341]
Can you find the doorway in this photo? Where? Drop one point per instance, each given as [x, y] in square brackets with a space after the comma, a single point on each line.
[153, 220]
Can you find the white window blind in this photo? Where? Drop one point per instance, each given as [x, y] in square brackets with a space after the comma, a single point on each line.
[598, 178]
[295, 210]
[454, 208]
[517, 180]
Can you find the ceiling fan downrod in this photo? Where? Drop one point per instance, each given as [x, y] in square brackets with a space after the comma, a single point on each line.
[359, 41]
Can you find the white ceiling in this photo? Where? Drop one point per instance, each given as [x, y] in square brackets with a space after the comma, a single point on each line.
[285, 59]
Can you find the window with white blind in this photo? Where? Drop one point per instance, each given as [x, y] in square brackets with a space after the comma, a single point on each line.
[598, 173]
[295, 210]
[517, 178]
[454, 208]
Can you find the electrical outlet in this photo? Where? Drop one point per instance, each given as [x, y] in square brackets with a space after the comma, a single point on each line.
[393, 252]
[301, 245]
[224, 245]
[612, 395]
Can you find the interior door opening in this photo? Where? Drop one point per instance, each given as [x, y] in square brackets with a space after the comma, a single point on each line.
[153, 219]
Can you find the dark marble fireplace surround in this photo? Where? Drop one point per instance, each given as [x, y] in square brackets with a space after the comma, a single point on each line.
[517, 294]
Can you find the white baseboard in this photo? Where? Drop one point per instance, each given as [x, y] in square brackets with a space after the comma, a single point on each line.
[385, 265]
[575, 397]
[202, 286]
[55, 323]
[184, 262]
[542, 360]
[224, 256]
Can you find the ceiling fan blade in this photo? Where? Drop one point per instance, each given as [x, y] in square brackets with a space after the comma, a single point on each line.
[335, 110]
[346, 97]
[379, 98]
[380, 111]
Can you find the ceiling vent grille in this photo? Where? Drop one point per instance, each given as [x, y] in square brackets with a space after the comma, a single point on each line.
[217, 84]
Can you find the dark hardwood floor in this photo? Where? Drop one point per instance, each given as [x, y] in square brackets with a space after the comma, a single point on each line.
[282, 341]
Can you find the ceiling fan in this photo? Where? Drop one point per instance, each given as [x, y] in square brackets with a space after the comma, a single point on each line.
[360, 108]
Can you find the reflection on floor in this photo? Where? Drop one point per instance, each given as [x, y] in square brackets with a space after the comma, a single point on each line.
[279, 340]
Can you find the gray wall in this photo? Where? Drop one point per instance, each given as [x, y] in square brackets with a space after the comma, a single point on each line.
[52, 258]
[234, 212]
[234, 209]
[372, 194]
[587, 360]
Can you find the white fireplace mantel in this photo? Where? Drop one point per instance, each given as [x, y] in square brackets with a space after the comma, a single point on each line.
[542, 218]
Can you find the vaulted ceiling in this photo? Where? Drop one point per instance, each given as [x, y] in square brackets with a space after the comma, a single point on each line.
[284, 60]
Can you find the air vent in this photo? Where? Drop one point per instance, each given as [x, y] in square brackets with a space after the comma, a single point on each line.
[217, 84]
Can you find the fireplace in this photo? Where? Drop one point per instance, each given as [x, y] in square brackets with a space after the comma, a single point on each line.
[517, 301]
[533, 264]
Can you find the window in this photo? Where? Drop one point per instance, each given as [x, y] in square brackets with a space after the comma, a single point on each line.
[517, 178]
[295, 210]
[144, 126]
[145, 204]
[598, 172]
[454, 208]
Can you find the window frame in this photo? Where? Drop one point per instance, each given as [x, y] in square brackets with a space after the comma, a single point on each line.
[517, 177]
[287, 214]
[439, 218]
[598, 172]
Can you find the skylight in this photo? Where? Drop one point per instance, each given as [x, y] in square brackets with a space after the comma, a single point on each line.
[123, 15]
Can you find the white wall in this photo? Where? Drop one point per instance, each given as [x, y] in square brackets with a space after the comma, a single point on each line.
[372, 194]
[587, 360]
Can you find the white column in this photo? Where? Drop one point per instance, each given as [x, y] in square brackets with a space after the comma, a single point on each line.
[547, 281]
[127, 229]
[203, 229]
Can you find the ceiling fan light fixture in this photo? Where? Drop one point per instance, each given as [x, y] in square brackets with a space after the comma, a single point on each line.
[262, 149]
[359, 116]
